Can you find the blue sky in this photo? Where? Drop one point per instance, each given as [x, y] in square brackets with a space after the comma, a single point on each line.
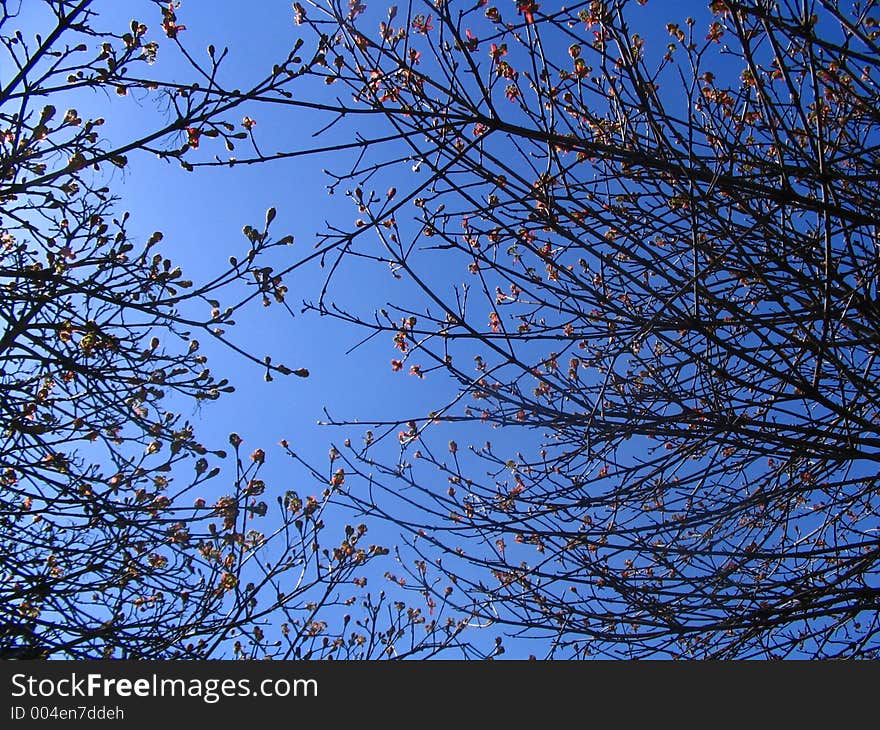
[202, 215]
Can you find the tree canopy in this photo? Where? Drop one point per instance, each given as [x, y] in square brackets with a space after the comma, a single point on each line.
[648, 263]
[633, 260]
[113, 540]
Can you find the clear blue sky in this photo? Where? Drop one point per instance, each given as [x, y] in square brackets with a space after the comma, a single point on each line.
[202, 215]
